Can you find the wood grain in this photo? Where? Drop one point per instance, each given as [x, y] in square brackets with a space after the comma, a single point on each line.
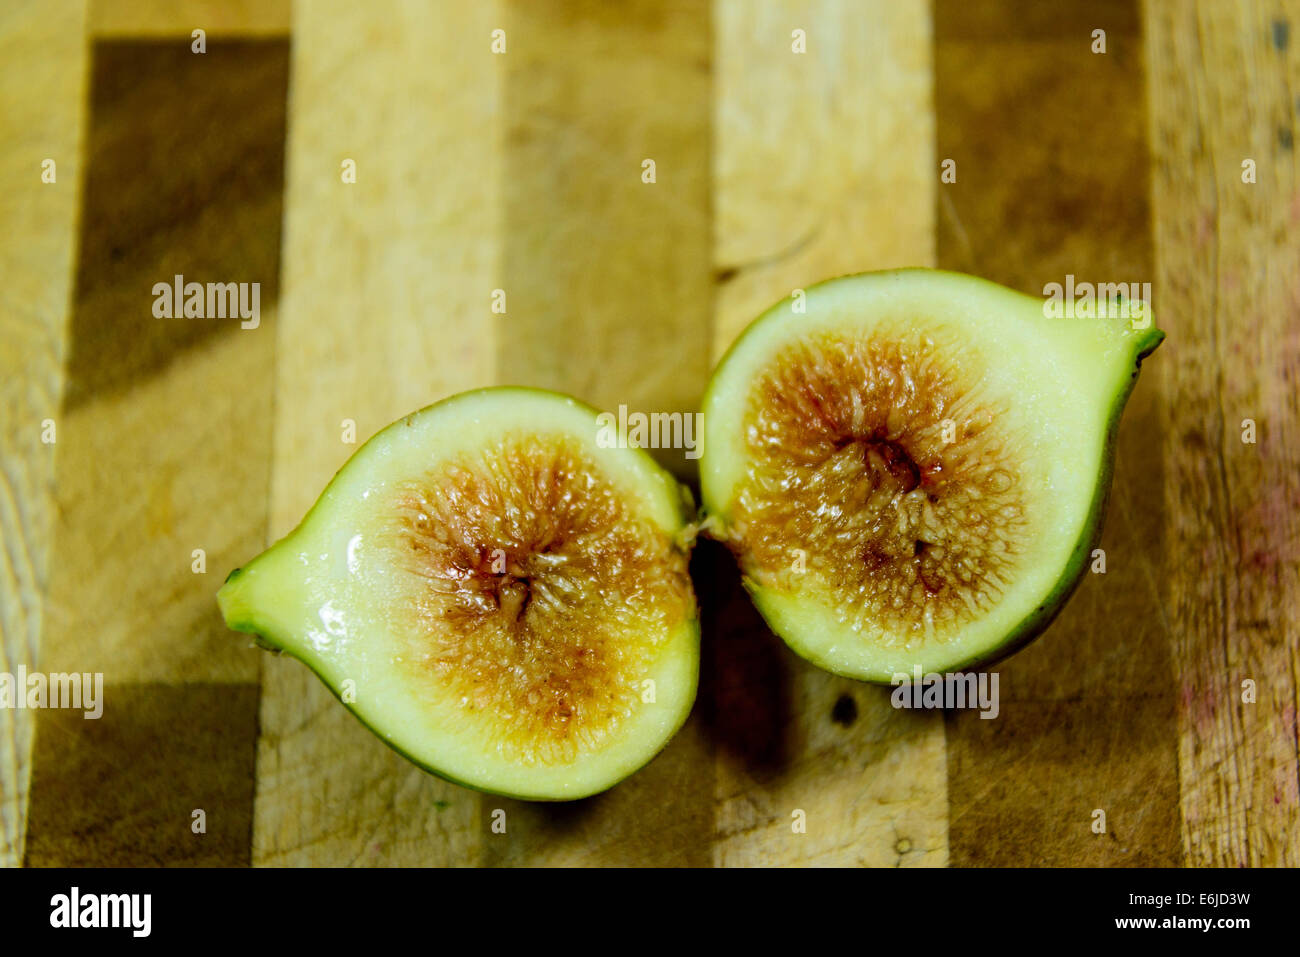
[163, 450]
[824, 161]
[814, 178]
[609, 287]
[1087, 717]
[42, 89]
[177, 18]
[1223, 82]
[123, 791]
[386, 308]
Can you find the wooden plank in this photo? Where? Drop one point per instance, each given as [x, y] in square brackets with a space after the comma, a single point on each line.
[122, 791]
[1087, 716]
[819, 156]
[386, 308]
[42, 92]
[604, 268]
[608, 279]
[163, 450]
[178, 18]
[1222, 81]
[824, 165]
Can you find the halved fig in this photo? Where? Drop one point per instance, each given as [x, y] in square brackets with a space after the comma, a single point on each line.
[912, 470]
[496, 596]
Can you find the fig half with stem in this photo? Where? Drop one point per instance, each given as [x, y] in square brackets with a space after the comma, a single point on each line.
[912, 466]
[498, 597]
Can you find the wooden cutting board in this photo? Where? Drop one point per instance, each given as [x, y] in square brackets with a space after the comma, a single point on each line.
[523, 171]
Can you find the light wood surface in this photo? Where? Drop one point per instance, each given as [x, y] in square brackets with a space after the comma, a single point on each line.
[132, 19]
[42, 96]
[393, 273]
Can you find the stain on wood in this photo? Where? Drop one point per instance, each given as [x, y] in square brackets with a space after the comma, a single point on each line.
[1220, 79]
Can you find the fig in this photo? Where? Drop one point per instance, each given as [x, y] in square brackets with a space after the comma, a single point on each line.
[912, 466]
[496, 596]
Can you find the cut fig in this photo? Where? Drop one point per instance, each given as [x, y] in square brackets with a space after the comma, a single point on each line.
[912, 471]
[496, 596]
